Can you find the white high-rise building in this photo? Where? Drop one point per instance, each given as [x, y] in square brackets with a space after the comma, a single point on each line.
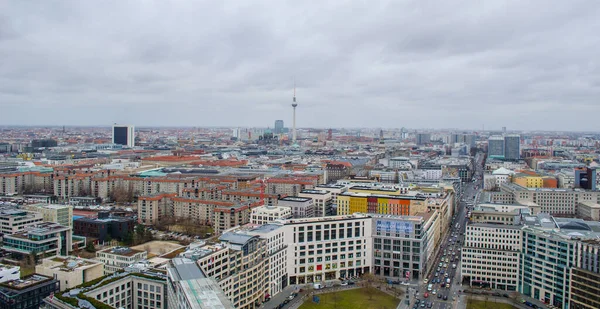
[123, 135]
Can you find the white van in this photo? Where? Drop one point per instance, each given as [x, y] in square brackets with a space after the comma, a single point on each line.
[430, 287]
[454, 266]
[317, 286]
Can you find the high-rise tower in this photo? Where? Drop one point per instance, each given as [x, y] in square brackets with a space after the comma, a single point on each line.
[294, 104]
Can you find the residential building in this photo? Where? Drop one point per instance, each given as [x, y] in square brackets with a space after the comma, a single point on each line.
[152, 208]
[27, 293]
[337, 170]
[70, 271]
[61, 214]
[302, 207]
[226, 217]
[15, 220]
[322, 201]
[277, 252]
[240, 265]
[189, 288]
[123, 135]
[117, 258]
[266, 214]
[334, 189]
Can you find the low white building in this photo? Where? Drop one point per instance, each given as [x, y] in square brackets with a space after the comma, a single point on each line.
[266, 214]
[302, 207]
[117, 258]
[71, 271]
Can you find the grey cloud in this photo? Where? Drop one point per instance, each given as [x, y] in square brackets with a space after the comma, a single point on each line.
[524, 65]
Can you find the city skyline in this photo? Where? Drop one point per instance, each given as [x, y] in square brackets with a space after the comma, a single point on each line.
[203, 64]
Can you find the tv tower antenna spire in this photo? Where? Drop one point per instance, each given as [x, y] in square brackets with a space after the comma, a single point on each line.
[294, 105]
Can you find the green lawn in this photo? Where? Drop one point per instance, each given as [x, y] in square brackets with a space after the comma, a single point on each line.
[480, 304]
[353, 299]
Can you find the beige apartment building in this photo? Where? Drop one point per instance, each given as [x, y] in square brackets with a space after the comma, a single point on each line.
[71, 271]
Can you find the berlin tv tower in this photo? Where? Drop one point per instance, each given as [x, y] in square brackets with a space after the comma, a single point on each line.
[294, 104]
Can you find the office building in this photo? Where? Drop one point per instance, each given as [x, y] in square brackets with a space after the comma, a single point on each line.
[496, 147]
[14, 220]
[189, 288]
[423, 138]
[267, 214]
[400, 245]
[70, 271]
[104, 227]
[278, 127]
[584, 290]
[123, 135]
[485, 245]
[45, 239]
[405, 205]
[512, 147]
[27, 293]
[61, 214]
[327, 248]
[117, 258]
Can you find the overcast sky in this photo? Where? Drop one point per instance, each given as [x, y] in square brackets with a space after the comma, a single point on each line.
[416, 64]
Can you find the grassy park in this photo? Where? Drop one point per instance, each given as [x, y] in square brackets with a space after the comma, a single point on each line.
[481, 304]
[353, 299]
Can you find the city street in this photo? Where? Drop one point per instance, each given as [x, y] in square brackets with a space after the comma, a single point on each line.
[442, 285]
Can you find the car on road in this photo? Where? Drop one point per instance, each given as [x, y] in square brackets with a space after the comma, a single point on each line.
[445, 297]
[434, 292]
[429, 304]
[344, 283]
[425, 280]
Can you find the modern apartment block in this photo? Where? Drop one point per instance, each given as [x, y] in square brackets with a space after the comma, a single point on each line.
[117, 258]
[496, 147]
[189, 288]
[61, 214]
[266, 214]
[240, 264]
[277, 252]
[322, 201]
[302, 207]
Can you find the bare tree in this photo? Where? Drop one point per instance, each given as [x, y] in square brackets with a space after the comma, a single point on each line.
[369, 283]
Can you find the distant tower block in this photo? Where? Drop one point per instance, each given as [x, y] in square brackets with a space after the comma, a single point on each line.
[329, 134]
[294, 105]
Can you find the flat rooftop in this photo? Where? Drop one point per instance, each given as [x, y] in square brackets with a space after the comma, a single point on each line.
[30, 281]
[295, 199]
[122, 251]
